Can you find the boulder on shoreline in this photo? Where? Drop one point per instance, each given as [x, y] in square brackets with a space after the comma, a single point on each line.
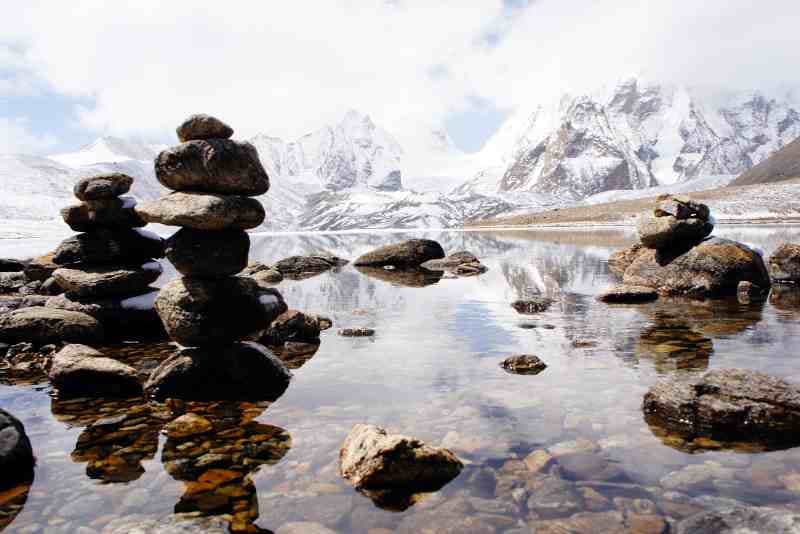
[301, 267]
[41, 326]
[203, 211]
[410, 253]
[727, 405]
[242, 370]
[217, 166]
[371, 458]
[16, 454]
[784, 264]
[81, 370]
[200, 311]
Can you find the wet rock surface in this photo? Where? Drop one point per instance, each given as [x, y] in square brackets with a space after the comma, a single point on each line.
[82, 370]
[218, 166]
[523, 364]
[293, 325]
[203, 211]
[198, 311]
[16, 454]
[46, 325]
[784, 264]
[356, 332]
[462, 263]
[727, 405]
[410, 253]
[207, 253]
[532, 305]
[301, 267]
[741, 520]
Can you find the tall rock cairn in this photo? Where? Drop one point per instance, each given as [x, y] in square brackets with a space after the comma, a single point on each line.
[210, 311]
[106, 270]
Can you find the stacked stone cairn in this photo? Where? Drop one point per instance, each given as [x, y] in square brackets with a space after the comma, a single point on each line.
[209, 311]
[107, 269]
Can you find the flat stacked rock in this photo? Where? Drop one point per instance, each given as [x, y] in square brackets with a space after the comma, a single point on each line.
[106, 270]
[675, 222]
[211, 311]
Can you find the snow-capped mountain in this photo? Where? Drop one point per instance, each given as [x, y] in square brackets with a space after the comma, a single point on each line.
[633, 136]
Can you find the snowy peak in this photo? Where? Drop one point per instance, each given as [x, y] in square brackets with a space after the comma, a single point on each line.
[108, 149]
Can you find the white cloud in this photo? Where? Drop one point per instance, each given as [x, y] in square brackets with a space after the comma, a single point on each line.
[16, 137]
[285, 67]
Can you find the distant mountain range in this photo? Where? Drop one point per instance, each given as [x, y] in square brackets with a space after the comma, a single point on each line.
[574, 149]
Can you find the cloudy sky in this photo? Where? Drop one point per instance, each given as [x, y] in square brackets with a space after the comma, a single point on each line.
[70, 71]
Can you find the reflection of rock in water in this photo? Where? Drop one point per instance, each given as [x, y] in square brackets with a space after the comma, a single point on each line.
[217, 466]
[12, 501]
[403, 278]
[119, 435]
[673, 346]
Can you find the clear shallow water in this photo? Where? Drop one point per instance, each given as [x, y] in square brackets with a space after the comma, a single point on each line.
[432, 371]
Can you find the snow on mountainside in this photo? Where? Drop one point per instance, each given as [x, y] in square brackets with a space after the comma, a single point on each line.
[631, 137]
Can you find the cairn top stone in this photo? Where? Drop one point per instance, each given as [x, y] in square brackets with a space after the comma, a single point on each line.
[102, 186]
[681, 208]
[202, 126]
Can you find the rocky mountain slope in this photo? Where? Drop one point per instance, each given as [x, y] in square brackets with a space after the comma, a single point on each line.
[782, 165]
[633, 136]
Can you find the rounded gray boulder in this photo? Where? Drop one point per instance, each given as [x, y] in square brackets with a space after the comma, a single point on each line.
[203, 211]
[202, 126]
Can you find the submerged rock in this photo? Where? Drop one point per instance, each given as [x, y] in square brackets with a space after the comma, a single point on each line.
[357, 332]
[532, 305]
[370, 458]
[741, 520]
[81, 370]
[208, 253]
[102, 186]
[784, 264]
[523, 364]
[42, 325]
[16, 454]
[410, 253]
[218, 166]
[300, 267]
[293, 325]
[243, 370]
[186, 426]
[462, 263]
[107, 280]
[727, 405]
[713, 268]
[170, 524]
[626, 294]
[109, 246]
[203, 211]
[198, 312]
[202, 126]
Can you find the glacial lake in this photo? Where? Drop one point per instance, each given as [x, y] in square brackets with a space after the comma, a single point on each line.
[432, 371]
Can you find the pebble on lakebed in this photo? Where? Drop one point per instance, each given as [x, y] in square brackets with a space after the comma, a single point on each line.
[357, 332]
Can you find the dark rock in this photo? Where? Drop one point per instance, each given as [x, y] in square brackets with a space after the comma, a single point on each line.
[16, 455]
[666, 232]
[198, 312]
[208, 253]
[407, 277]
[12, 282]
[8, 265]
[713, 268]
[532, 305]
[218, 166]
[263, 274]
[370, 458]
[40, 268]
[102, 186]
[748, 292]
[203, 211]
[42, 325]
[110, 213]
[626, 294]
[784, 264]
[186, 426]
[8, 304]
[202, 126]
[356, 332]
[81, 370]
[300, 267]
[126, 317]
[727, 405]
[681, 208]
[620, 260]
[243, 370]
[51, 287]
[523, 364]
[295, 354]
[411, 253]
[109, 246]
[741, 520]
[292, 325]
[107, 280]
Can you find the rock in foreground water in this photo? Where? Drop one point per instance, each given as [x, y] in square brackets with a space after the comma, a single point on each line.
[203, 211]
[370, 458]
[462, 263]
[293, 325]
[411, 253]
[626, 294]
[202, 126]
[102, 186]
[128, 317]
[82, 370]
[741, 520]
[784, 264]
[16, 454]
[219, 166]
[713, 268]
[40, 325]
[299, 267]
[244, 370]
[523, 364]
[198, 312]
[532, 305]
[728, 405]
[207, 253]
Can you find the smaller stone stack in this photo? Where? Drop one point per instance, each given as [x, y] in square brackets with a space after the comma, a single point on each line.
[106, 270]
[675, 223]
[210, 311]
